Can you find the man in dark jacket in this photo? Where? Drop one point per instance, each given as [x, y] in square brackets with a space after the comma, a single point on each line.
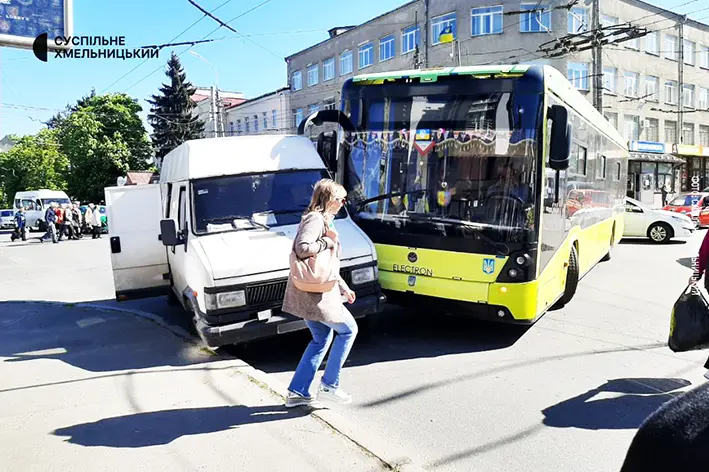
[50, 217]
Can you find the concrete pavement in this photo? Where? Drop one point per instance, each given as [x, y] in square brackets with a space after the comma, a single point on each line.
[93, 388]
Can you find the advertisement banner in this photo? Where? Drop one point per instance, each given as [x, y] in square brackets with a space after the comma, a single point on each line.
[648, 146]
[21, 21]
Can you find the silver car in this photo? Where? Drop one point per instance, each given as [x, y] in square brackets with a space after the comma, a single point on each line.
[7, 219]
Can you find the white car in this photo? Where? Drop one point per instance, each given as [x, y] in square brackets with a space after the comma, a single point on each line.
[7, 219]
[660, 226]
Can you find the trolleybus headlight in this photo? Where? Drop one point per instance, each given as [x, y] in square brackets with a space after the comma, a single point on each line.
[512, 273]
[520, 260]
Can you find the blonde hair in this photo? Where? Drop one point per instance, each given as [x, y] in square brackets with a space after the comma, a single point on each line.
[326, 190]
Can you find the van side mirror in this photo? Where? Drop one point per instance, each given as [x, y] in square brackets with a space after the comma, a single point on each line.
[168, 233]
[561, 137]
[327, 148]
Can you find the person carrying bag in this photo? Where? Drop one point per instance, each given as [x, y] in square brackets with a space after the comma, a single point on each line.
[314, 293]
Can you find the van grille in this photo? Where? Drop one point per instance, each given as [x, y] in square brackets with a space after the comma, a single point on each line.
[272, 292]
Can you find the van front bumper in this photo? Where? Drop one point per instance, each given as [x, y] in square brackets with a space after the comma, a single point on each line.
[371, 302]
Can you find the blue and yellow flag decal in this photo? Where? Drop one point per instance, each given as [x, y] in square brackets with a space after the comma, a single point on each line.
[446, 35]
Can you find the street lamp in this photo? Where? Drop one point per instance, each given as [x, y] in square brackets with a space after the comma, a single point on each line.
[216, 115]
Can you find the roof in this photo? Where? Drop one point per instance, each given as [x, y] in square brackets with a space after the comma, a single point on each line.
[353, 28]
[213, 157]
[139, 177]
[268, 94]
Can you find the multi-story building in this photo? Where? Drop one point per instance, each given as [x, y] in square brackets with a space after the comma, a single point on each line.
[267, 114]
[667, 125]
[214, 111]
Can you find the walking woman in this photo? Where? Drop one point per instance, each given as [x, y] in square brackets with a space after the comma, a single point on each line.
[324, 313]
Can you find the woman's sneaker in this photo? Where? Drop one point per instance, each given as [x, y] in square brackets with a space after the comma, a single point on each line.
[295, 399]
[334, 394]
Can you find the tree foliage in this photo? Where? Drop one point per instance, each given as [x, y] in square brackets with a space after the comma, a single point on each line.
[171, 112]
[35, 162]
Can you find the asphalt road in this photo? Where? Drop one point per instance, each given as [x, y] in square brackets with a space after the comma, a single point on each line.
[565, 394]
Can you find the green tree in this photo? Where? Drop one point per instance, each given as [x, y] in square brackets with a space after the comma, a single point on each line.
[103, 138]
[35, 162]
[171, 112]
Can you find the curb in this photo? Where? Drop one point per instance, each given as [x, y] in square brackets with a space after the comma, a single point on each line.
[369, 443]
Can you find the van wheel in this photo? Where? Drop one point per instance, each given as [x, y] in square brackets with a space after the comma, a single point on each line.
[660, 233]
[572, 280]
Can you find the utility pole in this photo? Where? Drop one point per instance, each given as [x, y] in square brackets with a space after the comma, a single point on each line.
[214, 112]
[680, 82]
[425, 28]
[417, 51]
[597, 56]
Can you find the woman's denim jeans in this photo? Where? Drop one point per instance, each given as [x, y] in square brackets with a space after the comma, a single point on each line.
[315, 353]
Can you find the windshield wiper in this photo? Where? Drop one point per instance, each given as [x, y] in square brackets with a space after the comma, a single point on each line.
[231, 219]
[477, 228]
[388, 195]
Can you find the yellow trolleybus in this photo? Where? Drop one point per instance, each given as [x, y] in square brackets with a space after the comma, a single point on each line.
[486, 190]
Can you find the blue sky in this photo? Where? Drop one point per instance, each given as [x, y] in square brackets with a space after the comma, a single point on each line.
[281, 27]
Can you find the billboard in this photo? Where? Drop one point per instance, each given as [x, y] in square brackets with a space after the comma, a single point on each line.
[21, 21]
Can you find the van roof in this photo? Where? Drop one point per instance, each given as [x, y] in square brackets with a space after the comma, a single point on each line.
[212, 157]
[42, 192]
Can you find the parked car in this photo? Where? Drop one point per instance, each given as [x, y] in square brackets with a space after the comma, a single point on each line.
[660, 226]
[7, 219]
[691, 204]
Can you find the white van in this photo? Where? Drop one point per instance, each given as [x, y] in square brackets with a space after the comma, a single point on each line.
[36, 202]
[216, 232]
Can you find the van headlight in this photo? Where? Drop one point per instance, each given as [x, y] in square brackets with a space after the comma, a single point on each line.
[222, 300]
[363, 275]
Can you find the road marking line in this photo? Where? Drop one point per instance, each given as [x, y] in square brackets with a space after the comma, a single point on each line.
[86, 322]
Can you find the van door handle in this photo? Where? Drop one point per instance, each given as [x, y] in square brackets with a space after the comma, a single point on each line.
[115, 245]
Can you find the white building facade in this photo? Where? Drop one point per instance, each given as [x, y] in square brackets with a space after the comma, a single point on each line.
[267, 114]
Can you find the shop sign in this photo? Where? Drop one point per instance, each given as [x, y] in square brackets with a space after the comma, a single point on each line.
[647, 146]
[690, 150]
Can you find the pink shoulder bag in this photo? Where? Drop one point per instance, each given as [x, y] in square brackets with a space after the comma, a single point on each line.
[315, 274]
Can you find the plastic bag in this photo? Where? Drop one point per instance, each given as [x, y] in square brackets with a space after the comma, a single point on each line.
[689, 323]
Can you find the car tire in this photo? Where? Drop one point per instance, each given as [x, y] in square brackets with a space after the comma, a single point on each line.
[660, 233]
[572, 280]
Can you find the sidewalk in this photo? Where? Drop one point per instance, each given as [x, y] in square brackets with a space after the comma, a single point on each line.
[86, 389]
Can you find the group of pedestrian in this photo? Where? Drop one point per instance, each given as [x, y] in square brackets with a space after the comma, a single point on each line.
[68, 220]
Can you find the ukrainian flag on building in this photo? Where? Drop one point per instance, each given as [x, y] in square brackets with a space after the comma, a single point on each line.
[446, 35]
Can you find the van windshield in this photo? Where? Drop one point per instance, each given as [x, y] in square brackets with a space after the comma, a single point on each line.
[244, 202]
[61, 201]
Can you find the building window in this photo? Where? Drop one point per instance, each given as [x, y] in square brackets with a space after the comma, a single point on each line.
[410, 38]
[238, 126]
[246, 125]
[688, 96]
[486, 20]
[298, 116]
[346, 63]
[440, 23]
[578, 20]
[631, 84]
[652, 130]
[612, 119]
[231, 128]
[703, 135]
[297, 80]
[704, 57]
[609, 74]
[577, 159]
[387, 48]
[670, 131]
[633, 44]
[688, 52]
[329, 104]
[601, 167]
[312, 109]
[274, 118]
[255, 123]
[328, 69]
[651, 88]
[608, 21]
[632, 128]
[651, 44]
[365, 55]
[265, 120]
[577, 73]
[671, 92]
[670, 47]
[703, 98]
[688, 133]
[313, 75]
[536, 19]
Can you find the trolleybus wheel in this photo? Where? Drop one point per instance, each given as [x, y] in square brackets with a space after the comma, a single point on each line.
[572, 279]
